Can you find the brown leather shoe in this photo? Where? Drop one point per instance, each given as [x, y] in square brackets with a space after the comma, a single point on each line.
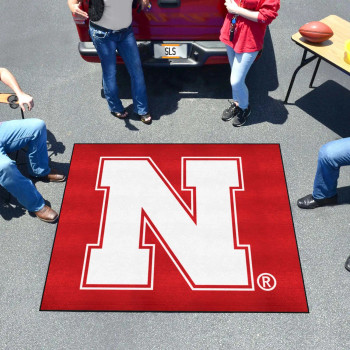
[47, 214]
[54, 176]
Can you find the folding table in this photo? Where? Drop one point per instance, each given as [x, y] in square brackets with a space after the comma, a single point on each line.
[331, 51]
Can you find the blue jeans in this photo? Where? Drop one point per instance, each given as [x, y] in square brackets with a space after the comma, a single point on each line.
[106, 44]
[331, 157]
[14, 135]
[240, 64]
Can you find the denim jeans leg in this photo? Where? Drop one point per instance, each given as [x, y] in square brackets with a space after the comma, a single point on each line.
[106, 46]
[19, 186]
[129, 51]
[16, 134]
[331, 157]
[230, 54]
[240, 64]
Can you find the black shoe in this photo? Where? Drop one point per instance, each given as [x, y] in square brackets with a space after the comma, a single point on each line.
[241, 116]
[309, 202]
[347, 263]
[229, 112]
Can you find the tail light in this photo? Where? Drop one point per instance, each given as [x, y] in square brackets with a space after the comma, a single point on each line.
[78, 20]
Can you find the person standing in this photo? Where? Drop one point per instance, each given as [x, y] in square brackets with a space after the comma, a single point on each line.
[243, 34]
[30, 133]
[110, 30]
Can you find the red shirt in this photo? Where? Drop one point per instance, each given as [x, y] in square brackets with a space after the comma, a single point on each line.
[249, 35]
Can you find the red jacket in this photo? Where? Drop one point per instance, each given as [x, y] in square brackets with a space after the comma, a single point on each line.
[249, 35]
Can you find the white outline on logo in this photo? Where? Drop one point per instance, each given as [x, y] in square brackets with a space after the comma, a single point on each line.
[145, 221]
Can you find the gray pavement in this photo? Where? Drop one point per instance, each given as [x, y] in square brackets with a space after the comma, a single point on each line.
[38, 43]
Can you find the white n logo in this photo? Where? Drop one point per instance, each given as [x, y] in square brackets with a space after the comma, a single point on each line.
[201, 239]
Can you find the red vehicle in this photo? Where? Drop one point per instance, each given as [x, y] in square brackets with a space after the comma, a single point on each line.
[173, 32]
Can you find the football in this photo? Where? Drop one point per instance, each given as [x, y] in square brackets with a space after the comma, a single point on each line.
[316, 32]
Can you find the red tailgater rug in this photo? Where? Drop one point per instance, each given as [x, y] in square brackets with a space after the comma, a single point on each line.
[173, 227]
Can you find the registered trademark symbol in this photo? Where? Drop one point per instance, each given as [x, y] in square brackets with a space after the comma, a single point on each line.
[266, 282]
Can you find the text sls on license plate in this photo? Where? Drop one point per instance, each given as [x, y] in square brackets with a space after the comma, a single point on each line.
[170, 51]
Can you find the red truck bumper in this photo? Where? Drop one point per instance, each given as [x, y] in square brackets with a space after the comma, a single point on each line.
[199, 53]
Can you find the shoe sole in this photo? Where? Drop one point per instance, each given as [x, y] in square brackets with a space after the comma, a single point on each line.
[58, 180]
[237, 126]
[309, 208]
[46, 180]
[49, 221]
[318, 206]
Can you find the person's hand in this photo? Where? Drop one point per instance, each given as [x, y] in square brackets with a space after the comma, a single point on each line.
[144, 4]
[232, 7]
[25, 99]
[77, 12]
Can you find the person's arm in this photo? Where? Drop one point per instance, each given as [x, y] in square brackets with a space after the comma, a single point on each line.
[233, 8]
[266, 14]
[76, 10]
[23, 99]
[144, 4]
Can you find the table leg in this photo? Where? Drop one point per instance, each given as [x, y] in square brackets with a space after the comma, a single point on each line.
[304, 62]
[315, 72]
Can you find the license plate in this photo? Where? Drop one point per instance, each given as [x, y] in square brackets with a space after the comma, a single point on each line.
[167, 51]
